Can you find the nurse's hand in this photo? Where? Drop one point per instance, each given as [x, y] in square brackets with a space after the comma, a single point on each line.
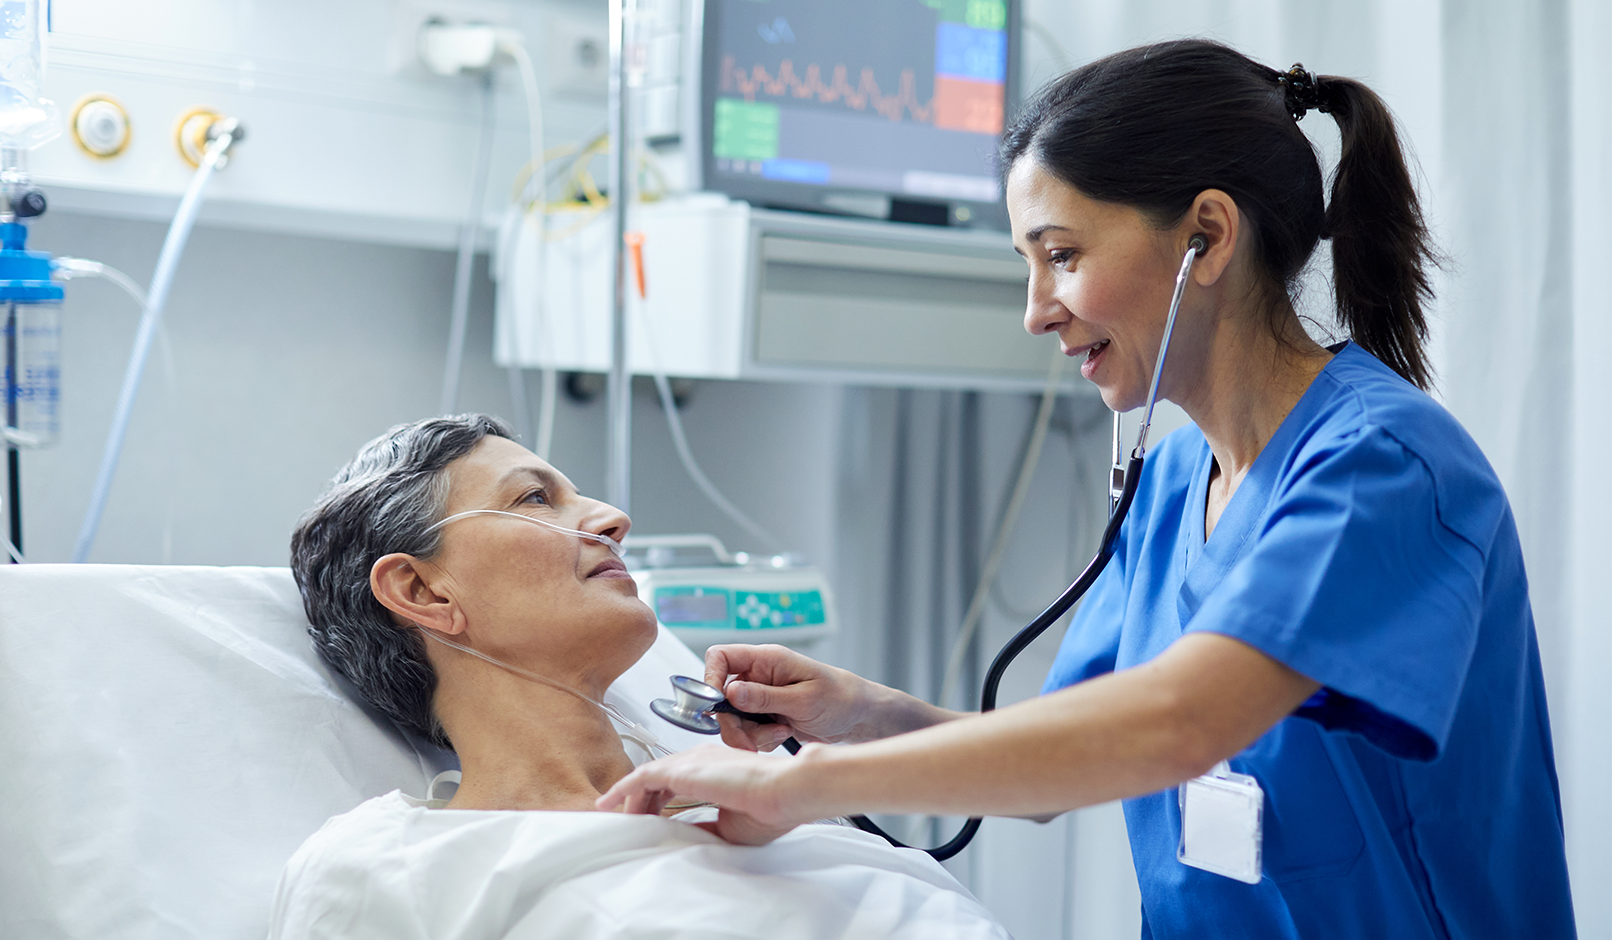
[749, 788]
[811, 700]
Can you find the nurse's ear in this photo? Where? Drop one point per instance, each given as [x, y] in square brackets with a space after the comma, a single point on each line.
[1215, 216]
[406, 586]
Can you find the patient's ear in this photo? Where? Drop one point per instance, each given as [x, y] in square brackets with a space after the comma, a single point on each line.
[403, 588]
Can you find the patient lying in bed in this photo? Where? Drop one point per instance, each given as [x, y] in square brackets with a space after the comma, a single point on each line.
[518, 851]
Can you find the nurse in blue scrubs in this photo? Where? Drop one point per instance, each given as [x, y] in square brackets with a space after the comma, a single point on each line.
[1319, 583]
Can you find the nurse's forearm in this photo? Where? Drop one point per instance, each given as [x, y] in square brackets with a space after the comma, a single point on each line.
[892, 712]
[1121, 735]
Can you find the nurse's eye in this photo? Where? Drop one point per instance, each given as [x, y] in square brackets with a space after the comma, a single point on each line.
[1060, 258]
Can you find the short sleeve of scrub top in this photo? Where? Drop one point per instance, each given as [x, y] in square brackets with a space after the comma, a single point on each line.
[1370, 548]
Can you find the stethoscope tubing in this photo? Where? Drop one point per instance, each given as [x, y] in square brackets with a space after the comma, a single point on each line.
[1076, 590]
[1017, 645]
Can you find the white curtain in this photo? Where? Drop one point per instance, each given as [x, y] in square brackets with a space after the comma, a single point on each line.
[1504, 105]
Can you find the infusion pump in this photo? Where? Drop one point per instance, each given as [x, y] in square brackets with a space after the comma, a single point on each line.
[743, 600]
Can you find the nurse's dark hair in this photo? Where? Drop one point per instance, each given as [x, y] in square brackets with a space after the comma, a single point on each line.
[385, 500]
[1154, 126]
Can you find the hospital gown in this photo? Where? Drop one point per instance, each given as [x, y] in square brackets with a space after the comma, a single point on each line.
[394, 868]
[1372, 549]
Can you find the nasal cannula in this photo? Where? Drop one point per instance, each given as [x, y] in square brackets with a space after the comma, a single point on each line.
[634, 732]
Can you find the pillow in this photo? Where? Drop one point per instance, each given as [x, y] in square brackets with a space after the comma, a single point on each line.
[168, 737]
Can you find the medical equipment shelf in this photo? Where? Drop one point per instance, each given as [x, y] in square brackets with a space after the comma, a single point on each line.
[737, 292]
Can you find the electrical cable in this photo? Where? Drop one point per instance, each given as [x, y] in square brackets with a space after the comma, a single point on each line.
[539, 209]
[173, 247]
[674, 424]
[1010, 517]
[460, 319]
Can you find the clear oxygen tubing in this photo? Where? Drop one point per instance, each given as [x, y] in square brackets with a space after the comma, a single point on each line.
[1082, 584]
[70, 268]
[615, 547]
[460, 320]
[549, 377]
[635, 731]
[1010, 518]
[173, 247]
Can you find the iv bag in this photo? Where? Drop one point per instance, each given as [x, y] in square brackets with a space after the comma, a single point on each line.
[26, 120]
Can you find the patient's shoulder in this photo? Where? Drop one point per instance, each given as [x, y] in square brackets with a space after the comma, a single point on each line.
[352, 856]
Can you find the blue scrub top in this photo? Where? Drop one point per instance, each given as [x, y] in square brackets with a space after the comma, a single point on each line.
[1372, 549]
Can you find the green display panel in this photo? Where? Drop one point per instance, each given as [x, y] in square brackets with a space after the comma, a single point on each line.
[745, 130]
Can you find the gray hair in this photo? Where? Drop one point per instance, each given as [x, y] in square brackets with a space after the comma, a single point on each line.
[385, 500]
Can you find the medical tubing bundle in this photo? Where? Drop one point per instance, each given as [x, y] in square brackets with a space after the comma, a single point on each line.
[1082, 584]
[173, 247]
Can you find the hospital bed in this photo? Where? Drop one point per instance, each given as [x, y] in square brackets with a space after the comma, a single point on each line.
[168, 738]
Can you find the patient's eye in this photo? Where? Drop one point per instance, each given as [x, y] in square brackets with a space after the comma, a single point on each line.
[536, 497]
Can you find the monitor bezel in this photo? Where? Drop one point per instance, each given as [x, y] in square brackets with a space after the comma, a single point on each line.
[700, 107]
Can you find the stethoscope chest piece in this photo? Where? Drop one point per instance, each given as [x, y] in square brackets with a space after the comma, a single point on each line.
[691, 710]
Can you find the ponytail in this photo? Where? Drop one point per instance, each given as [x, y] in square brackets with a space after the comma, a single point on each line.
[1382, 252]
[1154, 126]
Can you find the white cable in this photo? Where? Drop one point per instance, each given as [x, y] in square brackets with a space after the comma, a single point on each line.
[11, 550]
[173, 247]
[459, 321]
[993, 562]
[545, 417]
[511, 46]
[69, 268]
[674, 423]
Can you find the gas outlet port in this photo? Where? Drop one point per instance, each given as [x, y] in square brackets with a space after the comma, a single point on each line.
[101, 126]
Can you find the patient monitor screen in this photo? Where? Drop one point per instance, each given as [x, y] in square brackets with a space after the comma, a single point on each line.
[903, 98]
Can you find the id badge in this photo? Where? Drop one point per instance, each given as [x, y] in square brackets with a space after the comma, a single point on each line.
[1221, 824]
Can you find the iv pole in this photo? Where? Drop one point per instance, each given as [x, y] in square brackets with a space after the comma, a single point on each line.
[619, 386]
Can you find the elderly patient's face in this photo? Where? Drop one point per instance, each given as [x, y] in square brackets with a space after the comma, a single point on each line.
[530, 595]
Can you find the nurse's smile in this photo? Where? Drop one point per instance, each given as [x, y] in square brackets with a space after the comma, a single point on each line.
[1100, 278]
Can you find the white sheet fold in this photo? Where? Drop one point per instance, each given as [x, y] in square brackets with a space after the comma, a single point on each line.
[394, 869]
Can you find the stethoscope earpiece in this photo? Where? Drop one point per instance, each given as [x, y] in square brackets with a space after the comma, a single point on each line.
[1199, 243]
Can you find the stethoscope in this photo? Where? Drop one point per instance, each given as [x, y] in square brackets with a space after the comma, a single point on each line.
[694, 704]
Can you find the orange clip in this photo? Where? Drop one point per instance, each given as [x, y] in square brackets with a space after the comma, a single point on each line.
[635, 244]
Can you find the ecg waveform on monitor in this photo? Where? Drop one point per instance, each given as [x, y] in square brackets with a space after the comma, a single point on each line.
[865, 95]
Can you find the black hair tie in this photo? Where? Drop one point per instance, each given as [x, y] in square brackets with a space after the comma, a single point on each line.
[1303, 91]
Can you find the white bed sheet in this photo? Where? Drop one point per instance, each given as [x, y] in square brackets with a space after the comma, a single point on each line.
[395, 870]
[168, 737]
